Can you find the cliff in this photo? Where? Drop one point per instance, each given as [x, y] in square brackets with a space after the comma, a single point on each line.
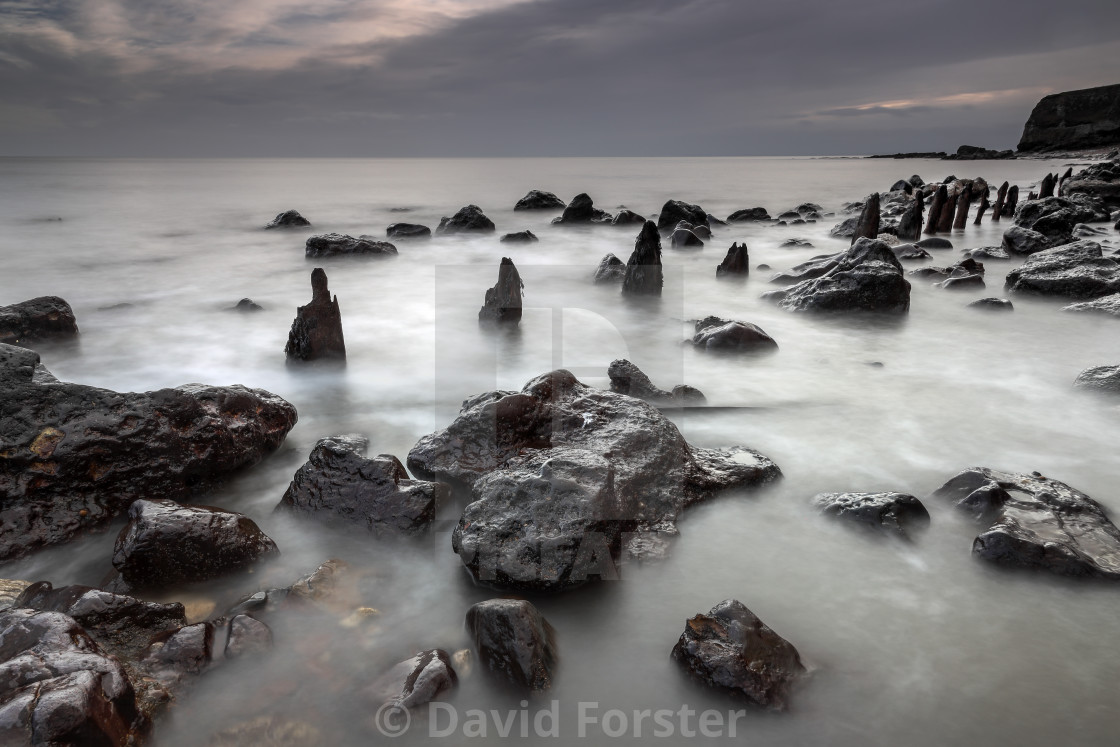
[1088, 118]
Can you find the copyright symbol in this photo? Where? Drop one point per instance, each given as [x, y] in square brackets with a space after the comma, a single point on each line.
[392, 720]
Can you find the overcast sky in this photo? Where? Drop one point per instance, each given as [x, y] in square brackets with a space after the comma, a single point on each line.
[537, 77]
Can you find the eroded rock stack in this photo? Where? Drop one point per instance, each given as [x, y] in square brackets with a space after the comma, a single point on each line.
[316, 333]
[503, 302]
[643, 269]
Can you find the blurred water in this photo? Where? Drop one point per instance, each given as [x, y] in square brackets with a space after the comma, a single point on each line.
[914, 645]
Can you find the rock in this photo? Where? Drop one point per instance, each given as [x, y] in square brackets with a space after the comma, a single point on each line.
[469, 219]
[910, 251]
[993, 304]
[748, 215]
[1019, 240]
[702, 232]
[1077, 270]
[503, 302]
[538, 200]
[1046, 188]
[43, 318]
[683, 238]
[898, 514]
[674, 211]
[794, 242]
[1011, 201]
[964, 202]
[521, 237]
[582, 210]
[910, 222]
[731, 650]
[997, 207]
[868, 224]
[1100, 378]
[845, 228]
[10, 589]
[935, 242]
[166, 544]
[627, 217]
[247, 305]
[966, 266]
[975, 153]
[1082, 231]
[902, 186]
[986, 252]
[560, 470]
[515, 644]
[288, 219]
[643, 269]
[763, 266]
[1100, 181]
[868, 277]
[948, 210]
[337, 245]
[1036, 522]
[1103, 305]
[1088, 118]
[415, 682]
[269, 731]
[316, 332]
[79, 456]
[961, 280]
[611, 269]
[940, 199]
[807, 209]
[172, 657]
[714, 221]
[628, 379]
[737, 262]
[407, 231]
[713, 333]
[813, 268]
[338, 484]
[247, 636]
[59, 688]
[318, 589]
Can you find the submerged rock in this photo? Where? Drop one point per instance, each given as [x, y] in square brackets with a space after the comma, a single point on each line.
[247, 636]
[611, 269]
[715, 334]
[899, 514]
[795, 242]
[515, 644]
[317, 329]
[288, 219]
[1100, 379]
[643, 269]
[1100, 181]
[935, 242]
[521, 237]
[407, 231]
[748, 215]
[867, 277]
[339, 484]
[684, 238]
[993, 304]
[986, 252]
[77, 456]
[539, 200]
[503, 302]
[910, 251]
[627, 217]
[469, 219]
[1078, 270]
[424, 678]
[43, 318]
[1104, 305]
[731, 650]
[675, 211]
[582, 210]
[626, 378]
[338, 245]
[737, 262]
[247, 305]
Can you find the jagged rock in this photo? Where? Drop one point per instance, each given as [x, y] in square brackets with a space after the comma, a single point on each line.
[1078, 270]
[986, 252]
[1019, 240]
[425, 677]
[247, 305]
[407, 231]
[1046, 187]
[731, 650]
[77, 456]
[643, 269]
[628, 379]
[317, 588]
[910, 222]
[337, 245]
[288, 219]
[1056, 216]
[1100, 378]
[339, 484]
[1036, 522]
[627, 217]
[1100, 181]
[538, 200]
[935, 242]
[611, 269]
[173, 658]
[868, 224]
[1082, 231]
[899, 514]
[713, 333]
[469, 219]
[582, 210]
[1103, 305]
[674, 211]
[516, 646]
[317, 329]
[43, 318]
[503, 302]
[867, 277]
[812, 268]
[166, 544]
[247, 636]
[1087, 118]
[748, 215]
[737, 262]
[714, 221]
[993, 304]
[560, 470]
[684, 238]
[521, 237]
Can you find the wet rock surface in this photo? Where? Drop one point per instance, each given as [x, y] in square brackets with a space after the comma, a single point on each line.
[539, 200]
[1086, 118]
[288, 219]
[736, 263]
[626, 217]
[1104, 305]
[683, 237]
[626, 378]
[316, 332]
[425, 677]
[1100, 379]
[247, 306]
[716, 334]
[643, 270]
[748, 215]
[1099, 180]
[521, 237]
[1078, 271]
[582, 210]
[897, 514]
[341, 245]
[407, 231]
[39, 319]
[502, 304]
[80, 455]
[868, 277]
[469, 219]
[675, 211]
[992, 304]
[1019, 240]
[611, 269]
[515, 644]
[731, 650]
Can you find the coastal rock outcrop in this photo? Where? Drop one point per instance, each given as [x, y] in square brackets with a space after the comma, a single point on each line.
[317, 329]
[626, 378]
[502, 304]
[1087, 118]
[737, 262]
[675, 211]
[683, 237]
[748, 215]
[521, 237]
[582, 210]
[1019, 240]
[715, 334]
[898, 514]
[539, 200]
[516, 646]
[910, 222]
[407, 231]
[469, 219]
[341, 245]
[867, 277]
[1099, 180]
[611, 269]
[288, 219]
[1100, 379]
[43, 318]
[643, 270]
[1078, 270]
[626, 217]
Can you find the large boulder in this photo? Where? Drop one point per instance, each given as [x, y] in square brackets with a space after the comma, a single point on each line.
[867, 277]
[520, 237]
[502, 304]
[516, 646]
[1019, 240]
[737, 262]
[749, 215]
[732, 651]
[560, 471]
[341, 245]
[43, 318]
[539, 200]
[407, 231]
[582, 210]
[611, 269]
[316, 332]
[469, 219]
[1078, 270]
[674, 211]
[1087, 118]
[340, 485]
[77, 456]
[1099, 378]
[288, 219]
[1033, 521]
[166, 544]
[724, 335]
[626, 378]
[1103, 305]
[643, 270]
[898, 514]
[1100, 181]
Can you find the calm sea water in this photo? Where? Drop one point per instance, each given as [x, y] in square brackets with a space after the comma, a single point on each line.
[917, 644]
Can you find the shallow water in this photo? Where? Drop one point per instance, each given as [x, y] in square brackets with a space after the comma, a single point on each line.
[917, 644]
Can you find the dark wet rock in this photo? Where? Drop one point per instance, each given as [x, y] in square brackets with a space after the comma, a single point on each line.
[845, 228]
[316, 332]
[916, 181]
[538, 200]
[805, 209]
[812, 268]
[748, 215]
[1100, 181]
[628, 379]
[43, 318]
[627, 217]
[795, 242]
[339, 245]
[166, 544]
[503, 302]
[611, 269]
[521, 237]
[1100, 379]
[1019, 240]
[10, 589]
[1082, 231]
[1046, 187]
[867, 227]
[949, 209]
[964, 202]
[515, 644]
[762, 266]
[59, 688]
[582, 210]
[935, 242]
[288, 219]
[1104, 305]
[559, 471]
[976, 153]
[867, 277]
[317, 588]
[247, 305]
[789, 215]
[674, 211]
[77, 456]
[902, 186]
[966, 266]
[643, 269]
[1055, 217]
[997, 206]
[701, 231]
[993, 304]
[986, 252]
[910, 222]
[731, 650]
[899, 514]
[428, 676]
[961, 279]
[684, 238]
[1078, 270]
[1035, 522]
[339, 484]
[910, 251]
[469, 219]
[737, 262]
[936, 207]
[401, 231]
[714, 221]
[174, 658]
[1087, 118]
[247, 636]
[715, 334]
[1011, 201]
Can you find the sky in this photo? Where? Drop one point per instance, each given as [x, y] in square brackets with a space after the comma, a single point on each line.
[448, 78]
